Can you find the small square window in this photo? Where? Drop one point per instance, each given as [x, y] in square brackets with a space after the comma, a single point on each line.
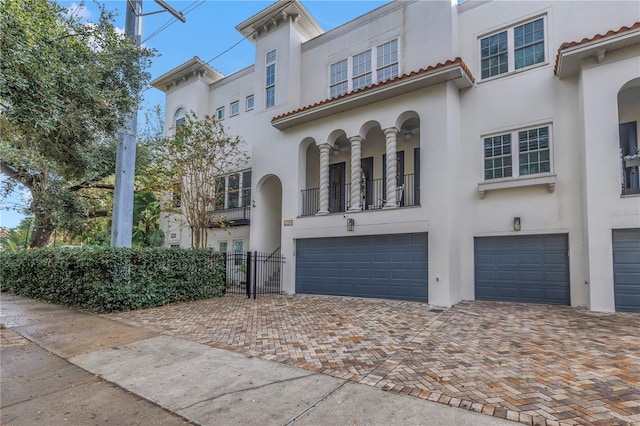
[249, 103]
[220, 113]
[235, 108]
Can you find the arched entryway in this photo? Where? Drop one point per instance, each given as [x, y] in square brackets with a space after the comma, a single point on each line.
[267, 215]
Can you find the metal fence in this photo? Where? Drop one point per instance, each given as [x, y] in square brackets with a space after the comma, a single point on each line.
[373, 193]
[254, 273]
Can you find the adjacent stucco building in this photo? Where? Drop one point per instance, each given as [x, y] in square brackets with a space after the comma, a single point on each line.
[436, 151]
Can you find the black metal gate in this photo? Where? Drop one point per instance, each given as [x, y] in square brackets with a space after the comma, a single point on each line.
[254, 273]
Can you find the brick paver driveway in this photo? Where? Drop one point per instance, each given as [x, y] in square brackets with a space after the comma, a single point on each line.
[535, 364]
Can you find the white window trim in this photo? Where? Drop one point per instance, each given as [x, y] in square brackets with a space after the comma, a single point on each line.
[346, 80]
[275, 78]
[246, 103]
[231, 113]
[511, 47]
[516, 180]
[218, 110]
[374, 66]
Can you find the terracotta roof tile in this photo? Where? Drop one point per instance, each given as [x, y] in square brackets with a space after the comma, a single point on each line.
[596, 37]
[396, 79]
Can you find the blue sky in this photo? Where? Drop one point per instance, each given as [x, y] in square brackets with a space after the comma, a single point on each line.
[209, 31]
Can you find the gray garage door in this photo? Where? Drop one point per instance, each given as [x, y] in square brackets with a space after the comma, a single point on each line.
[381, 266]
[626, 269]
[528, 268]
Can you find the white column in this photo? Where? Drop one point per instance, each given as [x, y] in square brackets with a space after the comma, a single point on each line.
[356, 173]
[392, 184]
[324, 178]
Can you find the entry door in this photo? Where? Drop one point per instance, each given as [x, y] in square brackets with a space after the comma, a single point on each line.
[367, 171]
[629, 146]
[336, 187]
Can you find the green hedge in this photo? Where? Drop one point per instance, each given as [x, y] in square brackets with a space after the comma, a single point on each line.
[106, 279]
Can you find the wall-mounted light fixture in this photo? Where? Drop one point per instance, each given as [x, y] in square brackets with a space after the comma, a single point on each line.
[516, 223]
[350, 224]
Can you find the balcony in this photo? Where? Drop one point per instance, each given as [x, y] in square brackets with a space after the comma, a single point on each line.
[236, 216]
[373, 193]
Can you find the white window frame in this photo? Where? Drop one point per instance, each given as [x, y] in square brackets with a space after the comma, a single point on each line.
[246, 103]
[226, 244]
[342, 82]
[391, 64]
[511, 62]
[372, 72]
[368, 72]
[270, 87]
[233, 104]
[220, 113]
[515, 153]
[181, 114]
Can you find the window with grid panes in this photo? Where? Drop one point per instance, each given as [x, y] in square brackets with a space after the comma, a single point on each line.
[497, 157]
[339, 82]
[387, 60]
[512, 49]
[270, 85]
[361, 70]
[518, 153]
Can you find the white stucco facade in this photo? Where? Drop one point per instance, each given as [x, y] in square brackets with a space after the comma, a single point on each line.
[317, 161]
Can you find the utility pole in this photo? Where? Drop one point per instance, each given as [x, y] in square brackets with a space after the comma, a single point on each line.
[122, 218]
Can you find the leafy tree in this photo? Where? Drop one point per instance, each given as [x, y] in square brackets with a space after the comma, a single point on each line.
[15, 239]
[65, 90]
[146, 220]
[194, 158]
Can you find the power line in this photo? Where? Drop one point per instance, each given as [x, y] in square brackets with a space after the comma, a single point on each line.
[193, 6]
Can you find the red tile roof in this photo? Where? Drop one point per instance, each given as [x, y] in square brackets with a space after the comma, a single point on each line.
[596, 37]
[396, 79]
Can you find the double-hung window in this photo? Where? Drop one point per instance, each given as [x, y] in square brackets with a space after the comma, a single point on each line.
[387, 62]
[356, 72]
[270, 84]
[518, 153]
[362, 70]
[513, 48]
[339, 81]
[220, 113]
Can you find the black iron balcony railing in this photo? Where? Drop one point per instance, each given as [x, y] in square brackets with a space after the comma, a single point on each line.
[373, 193]
[235, 216]
[631, 175]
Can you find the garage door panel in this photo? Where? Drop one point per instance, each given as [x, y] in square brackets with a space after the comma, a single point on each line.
[387, 266]
[626, 269]
[529, 268]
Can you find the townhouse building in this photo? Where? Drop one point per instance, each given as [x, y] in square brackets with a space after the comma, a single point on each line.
[435, 151]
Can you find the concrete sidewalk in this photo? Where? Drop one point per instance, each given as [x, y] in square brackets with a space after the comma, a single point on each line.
[201, 384]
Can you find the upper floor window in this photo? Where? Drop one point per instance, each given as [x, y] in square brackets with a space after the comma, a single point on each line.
[362, 70]
[387, 64]
[512, 49]
[235, 108]
[180, 117]
[345, 77]
[518, 153]
[249, 103]
[220, 113]
[270, 85]
[233, 191]
[339, 82]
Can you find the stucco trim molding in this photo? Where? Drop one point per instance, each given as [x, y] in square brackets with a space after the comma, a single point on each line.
[546, 180]
[570, 55]
[455, 71]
